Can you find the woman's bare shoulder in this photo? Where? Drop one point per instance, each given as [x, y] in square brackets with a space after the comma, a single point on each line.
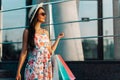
[25, 32]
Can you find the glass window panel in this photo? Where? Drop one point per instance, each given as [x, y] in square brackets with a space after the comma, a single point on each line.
[89, 29]
[12, 19]
[108, 29]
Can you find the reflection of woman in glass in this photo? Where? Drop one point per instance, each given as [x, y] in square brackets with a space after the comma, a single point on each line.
[36, 45]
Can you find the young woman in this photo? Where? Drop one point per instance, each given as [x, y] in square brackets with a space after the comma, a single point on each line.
[37, 46]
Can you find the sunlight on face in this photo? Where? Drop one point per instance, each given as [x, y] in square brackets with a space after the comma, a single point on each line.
[41, 15]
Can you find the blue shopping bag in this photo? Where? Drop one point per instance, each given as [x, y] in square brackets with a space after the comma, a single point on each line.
[62, 72]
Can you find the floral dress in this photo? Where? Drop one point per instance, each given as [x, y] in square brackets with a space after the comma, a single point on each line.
[39, 65]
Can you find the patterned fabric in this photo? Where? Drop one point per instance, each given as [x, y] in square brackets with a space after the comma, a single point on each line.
[39, 65]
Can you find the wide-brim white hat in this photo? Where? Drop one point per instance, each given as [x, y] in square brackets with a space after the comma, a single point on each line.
[33, 11]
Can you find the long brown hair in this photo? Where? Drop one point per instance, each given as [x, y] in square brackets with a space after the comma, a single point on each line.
[31, 31]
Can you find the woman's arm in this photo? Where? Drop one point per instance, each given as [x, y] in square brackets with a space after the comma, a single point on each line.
[23, 52]
[53, 47]
[55, 44]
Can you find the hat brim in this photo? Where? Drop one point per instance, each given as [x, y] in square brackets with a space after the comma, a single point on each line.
[33, 11]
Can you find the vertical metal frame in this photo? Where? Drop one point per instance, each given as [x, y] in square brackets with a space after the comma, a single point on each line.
[100, 30]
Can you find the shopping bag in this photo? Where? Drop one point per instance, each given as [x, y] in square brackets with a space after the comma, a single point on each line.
[55, 68]
[69, 72]
[60, 69]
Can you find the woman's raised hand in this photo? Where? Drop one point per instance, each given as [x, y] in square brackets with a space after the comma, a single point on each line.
[61, 35]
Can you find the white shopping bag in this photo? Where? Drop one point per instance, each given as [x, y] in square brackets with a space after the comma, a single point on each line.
[55, 68]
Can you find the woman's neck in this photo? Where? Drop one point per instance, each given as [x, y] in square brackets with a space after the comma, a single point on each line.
[38, 26]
